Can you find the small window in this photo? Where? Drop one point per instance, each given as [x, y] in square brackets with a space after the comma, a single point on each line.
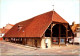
[19, 27]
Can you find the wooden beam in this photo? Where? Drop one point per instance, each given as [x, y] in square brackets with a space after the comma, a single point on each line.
[26, 40]
[14, 40]
[23, 41]
[51, 33]
[10, 39]
[66, 34]
[20, 40]
[59, 33]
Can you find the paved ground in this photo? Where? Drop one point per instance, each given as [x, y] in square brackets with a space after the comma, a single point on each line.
[7, 48]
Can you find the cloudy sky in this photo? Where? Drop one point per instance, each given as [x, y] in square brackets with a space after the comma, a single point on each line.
[13, 11]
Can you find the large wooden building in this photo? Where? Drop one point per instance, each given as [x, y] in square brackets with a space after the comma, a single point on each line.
[41, 31]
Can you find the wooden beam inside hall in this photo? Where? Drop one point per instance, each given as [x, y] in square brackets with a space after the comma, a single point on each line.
[59, 33]
[66, 34]
[51, 33]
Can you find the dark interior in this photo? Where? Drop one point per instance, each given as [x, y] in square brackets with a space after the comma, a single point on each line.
[55, 31]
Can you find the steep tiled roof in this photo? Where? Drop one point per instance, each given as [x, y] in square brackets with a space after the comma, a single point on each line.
[34, 27]
[58, 18]
[3, 30]
[11, 24]
[0, 30]
[8, 26]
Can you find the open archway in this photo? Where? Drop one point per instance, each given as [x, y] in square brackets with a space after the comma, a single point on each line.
[55, 30]
[58, 30]
[55, 33]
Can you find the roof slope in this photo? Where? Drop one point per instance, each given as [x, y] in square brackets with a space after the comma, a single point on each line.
[8, 26]
[58, 18]
[34, 27]
[4, 30]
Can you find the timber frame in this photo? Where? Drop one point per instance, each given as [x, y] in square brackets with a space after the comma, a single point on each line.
[66, 37]
[23, 40]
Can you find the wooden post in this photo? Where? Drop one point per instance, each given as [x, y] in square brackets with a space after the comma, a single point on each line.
[32, 42]
[26, 40]
[23, 41]
[66, 34]
[5, 39]
[51, 33]
[15, 40]
[10, 39]
[19, 40]
[59, 34]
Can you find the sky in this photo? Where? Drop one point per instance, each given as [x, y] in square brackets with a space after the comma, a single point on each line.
[14, 11]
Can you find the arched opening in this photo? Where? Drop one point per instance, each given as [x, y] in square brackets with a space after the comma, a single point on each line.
[48, 32]
[55, 31]
[56, 34]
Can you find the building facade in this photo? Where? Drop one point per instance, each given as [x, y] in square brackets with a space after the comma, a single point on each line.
[76, 31]
[5, 30]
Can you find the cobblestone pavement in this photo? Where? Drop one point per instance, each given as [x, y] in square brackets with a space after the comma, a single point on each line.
[7, 48]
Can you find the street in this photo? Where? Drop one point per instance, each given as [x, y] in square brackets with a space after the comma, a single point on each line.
[8, 48]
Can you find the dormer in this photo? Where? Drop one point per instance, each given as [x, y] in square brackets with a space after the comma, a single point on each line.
[20, 27]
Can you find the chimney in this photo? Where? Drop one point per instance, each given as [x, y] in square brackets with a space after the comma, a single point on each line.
[73, 23]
